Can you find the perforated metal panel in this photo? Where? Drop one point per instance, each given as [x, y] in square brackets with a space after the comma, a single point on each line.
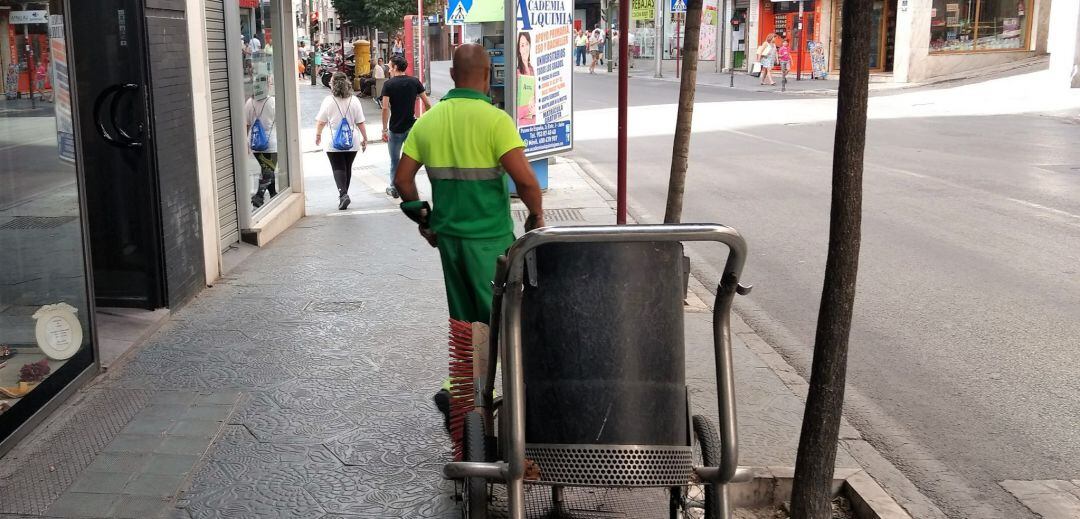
[613, 465]
[221, 123]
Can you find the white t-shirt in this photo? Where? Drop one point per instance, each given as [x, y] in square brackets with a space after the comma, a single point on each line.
[332, 110]
[266, 111]
[256, 45]
[378, 72]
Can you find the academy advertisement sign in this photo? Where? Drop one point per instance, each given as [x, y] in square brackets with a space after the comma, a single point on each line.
[544, 75]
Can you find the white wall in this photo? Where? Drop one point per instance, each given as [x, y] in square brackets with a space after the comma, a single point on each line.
[1064, 43]
[200, 96]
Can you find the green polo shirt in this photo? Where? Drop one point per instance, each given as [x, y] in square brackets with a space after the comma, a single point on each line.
[460, 141]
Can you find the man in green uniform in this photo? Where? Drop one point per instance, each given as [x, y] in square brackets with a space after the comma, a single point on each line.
[468, 147]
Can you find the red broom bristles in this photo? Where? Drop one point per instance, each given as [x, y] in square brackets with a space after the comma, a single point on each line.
[462, 384]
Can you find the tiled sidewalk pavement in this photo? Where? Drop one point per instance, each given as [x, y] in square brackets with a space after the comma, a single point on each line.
[300, 385]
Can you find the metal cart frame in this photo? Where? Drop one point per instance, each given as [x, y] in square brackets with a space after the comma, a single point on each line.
[507, 314]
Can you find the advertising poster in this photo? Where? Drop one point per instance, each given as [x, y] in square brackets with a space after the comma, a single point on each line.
[544, 75]
[642, 9]
[484, 11]
[707, 38]
[65, 127]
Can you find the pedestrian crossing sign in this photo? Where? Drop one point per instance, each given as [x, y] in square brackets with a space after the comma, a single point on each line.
[456, 11]
[678, 6]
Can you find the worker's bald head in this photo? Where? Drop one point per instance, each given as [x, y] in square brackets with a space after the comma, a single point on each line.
[471, 67]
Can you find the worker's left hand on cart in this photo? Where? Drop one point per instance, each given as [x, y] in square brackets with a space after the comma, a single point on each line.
[534, 221]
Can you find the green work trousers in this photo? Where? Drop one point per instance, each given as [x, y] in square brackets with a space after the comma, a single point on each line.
[468, 270]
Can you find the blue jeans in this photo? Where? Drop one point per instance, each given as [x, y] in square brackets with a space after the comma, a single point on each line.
[579, 55]
[396, 140]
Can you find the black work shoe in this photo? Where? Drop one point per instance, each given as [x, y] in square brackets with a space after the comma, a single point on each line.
[442, 401]
[343, 202]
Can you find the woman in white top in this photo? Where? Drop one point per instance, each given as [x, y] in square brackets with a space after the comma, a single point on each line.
[341, 105]
[263, 146]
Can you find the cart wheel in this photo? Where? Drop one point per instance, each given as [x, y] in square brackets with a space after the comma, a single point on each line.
[475, 493]
[709, 441]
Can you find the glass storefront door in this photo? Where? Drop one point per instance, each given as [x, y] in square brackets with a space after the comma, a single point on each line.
[45, 312]
[882, 43]
[264, 117]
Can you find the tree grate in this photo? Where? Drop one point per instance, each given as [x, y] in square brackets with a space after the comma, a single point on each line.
[553, 215]
[36, 222]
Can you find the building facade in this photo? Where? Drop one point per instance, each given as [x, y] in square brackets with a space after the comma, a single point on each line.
[915, 40]
[130, 176]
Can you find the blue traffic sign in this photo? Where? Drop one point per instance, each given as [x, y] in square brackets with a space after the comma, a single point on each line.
[678, 6]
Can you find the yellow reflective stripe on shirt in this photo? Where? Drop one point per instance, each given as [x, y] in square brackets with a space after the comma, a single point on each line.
[450, 173]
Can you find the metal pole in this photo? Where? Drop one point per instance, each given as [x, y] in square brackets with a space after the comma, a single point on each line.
[510, 58]
[607, 40]
[731, 66]
[658, 36]
[311, 41]
[718, 41]
[678, 42]
[624, 100]
[799, 38]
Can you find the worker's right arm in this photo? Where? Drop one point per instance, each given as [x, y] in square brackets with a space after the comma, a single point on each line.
[528, 188]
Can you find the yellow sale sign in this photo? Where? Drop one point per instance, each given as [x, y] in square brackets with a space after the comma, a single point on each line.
[642, 9]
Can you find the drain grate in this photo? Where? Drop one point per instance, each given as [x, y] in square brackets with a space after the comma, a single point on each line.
[37, 222]
[35, 474]
[553, 215]
[334, 306]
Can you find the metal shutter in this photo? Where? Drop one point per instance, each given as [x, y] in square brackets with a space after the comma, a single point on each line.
[221, 123]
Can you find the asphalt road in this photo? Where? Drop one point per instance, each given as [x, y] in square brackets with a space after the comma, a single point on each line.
[963, 364]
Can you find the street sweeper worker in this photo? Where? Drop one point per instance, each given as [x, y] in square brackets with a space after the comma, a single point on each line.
[468, 146]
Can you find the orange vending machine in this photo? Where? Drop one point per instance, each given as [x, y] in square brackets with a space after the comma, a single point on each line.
[782, 18]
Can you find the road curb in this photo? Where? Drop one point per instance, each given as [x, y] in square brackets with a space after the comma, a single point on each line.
[894, 484]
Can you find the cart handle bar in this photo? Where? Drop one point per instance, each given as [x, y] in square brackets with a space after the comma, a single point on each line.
[628, 233]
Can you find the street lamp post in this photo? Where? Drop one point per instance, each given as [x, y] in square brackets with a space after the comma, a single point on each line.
[658, 24]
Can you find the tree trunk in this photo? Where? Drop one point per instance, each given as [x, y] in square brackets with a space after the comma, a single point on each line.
[680, 150]
[811, 496]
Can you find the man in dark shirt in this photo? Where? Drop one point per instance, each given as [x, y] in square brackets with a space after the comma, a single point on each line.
[399, 95]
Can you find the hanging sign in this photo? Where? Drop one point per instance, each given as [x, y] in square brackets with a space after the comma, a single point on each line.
[26, 17]
[678, 6]
[544, 105]
[642, 9]
[485, 11]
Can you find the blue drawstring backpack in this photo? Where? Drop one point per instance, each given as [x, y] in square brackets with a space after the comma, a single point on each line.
[260, 138]
[343, 135]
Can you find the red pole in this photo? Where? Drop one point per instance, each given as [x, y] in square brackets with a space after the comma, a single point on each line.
[624, 100]
[421, 33]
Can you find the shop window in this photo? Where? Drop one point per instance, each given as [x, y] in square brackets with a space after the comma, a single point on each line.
[264, 114]
[979, 25]
[43, 289]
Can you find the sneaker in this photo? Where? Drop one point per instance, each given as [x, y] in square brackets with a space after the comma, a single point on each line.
[256, 200]
[442, 402]
[343, 202]
[392, 192]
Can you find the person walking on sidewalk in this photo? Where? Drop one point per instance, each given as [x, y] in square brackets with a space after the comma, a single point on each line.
[398, 105]
[784, 55]
[581, 42]
[595, 39]
[342, 112]
[766, 55]
[468, 146]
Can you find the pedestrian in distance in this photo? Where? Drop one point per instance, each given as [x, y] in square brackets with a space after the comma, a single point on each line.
[470, 222]
[581, 44]
[594, 49]
[601, 41]
[316, 63]
[398, 111]
[766, 56]
[341, 111]
[379, 73]
[784, 55]
[398, 49]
